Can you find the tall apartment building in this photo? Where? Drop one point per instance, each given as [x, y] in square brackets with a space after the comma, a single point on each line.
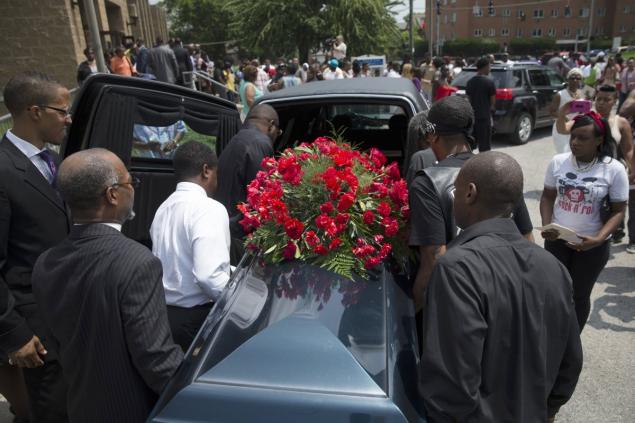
[564, 20]
[51, 35]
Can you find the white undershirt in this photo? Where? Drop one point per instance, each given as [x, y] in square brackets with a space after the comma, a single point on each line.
[190, 235]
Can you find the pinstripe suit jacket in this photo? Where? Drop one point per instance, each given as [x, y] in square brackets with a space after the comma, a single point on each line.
[103, 301]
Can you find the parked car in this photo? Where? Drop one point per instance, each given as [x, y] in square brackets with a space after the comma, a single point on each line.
[284, 343]
[523, 94]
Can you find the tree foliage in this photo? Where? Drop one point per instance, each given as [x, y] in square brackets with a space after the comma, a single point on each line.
[273, 28]
[470, 47]
[533, 46]
[200, 21]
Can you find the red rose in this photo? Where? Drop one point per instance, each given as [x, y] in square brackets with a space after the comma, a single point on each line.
[392, 170]
[293, 228]
[369, 217]
[323, 221]
[384, 209]
[399, 192]
[289, 251]
[312, 238]
[321, 250]
[327, 207]
[372, 262]
[379, 238]
[335, 243]
[405, 212]
[342, 218]
[346, 201]
[379, 190]
[391, 227]
[343, 158]
[377, 157]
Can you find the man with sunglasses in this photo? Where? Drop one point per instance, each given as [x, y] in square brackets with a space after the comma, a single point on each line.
[239, 163]
[110, 325]
[33, 218]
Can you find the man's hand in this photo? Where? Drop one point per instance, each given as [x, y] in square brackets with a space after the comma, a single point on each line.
[29, 355]
[172, 145]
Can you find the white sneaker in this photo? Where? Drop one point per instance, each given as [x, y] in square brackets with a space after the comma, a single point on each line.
[630, 248]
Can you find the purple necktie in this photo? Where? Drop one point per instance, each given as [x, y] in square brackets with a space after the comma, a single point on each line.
[48, 158]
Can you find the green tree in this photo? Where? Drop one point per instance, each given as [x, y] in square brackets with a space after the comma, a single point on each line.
[200, 21]
[284, 27]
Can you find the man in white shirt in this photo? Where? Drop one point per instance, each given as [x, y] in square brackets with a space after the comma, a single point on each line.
[190, 234]
[333, 71]
[339, 48]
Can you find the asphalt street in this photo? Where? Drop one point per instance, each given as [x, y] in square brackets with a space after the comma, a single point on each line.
[607, 383]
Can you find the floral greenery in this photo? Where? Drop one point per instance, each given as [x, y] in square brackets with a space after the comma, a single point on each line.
[329, 204]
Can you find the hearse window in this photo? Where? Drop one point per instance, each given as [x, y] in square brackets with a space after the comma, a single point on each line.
[517, 79]
[160, 142]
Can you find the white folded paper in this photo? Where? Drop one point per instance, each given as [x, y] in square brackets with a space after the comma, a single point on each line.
[564, 233]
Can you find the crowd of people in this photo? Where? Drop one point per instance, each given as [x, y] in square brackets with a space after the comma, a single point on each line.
[105, 349]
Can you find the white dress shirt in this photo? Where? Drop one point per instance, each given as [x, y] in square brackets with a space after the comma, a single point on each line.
[190, 235]
[32, 153]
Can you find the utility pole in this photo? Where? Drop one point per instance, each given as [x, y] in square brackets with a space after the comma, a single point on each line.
[588, 37]
[411, 32]
[438, 21]
[429, 14]
[93, 27]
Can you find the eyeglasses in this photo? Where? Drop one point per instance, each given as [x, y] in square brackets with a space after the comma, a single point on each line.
[134, 182]
[62, 112]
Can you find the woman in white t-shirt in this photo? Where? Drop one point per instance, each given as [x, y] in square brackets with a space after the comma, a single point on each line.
[576, 187]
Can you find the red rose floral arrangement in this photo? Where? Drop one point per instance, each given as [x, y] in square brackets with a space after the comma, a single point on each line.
[328, 204]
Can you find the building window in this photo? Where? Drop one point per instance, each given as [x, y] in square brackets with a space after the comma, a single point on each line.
[445, 19]
[492, 32]
[552, 32]
[478, 32]
[602, 11]
[453, 17]
[581, 31]
[627, 10]
[507, 13]
[505, 32]
[622, 28]
[521, 13]
[584, 12]
[567, 12]
[519, 32]
[566, 32]
[554, 13]
[538, 14]
[478, 12]
[599, 30]
[536, 32]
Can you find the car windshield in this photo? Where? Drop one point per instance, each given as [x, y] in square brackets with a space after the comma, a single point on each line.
[500, 77]
[283, 313]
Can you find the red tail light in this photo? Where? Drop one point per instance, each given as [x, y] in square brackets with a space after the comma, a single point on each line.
[504, 94]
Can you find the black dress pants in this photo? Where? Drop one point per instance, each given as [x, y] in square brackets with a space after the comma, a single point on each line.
[584, 268]
[46, 389]
[483, 134]
[185, 323]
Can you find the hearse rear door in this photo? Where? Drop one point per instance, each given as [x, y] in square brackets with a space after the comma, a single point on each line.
[136, 119]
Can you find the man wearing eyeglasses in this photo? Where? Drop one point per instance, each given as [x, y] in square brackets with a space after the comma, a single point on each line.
[33, 218]
[101, 294]
[239, 163]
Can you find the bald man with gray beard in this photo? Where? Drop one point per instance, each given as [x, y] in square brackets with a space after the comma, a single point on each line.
[500, 336]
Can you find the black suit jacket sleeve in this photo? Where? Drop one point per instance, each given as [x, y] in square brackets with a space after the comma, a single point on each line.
[14, 330]
[570, 369]
[145, 324]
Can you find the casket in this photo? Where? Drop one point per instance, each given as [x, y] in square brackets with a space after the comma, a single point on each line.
[293, 342]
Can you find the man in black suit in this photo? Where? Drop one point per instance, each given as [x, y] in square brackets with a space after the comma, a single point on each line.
[33, 218]
[110, 325]
[182, 59]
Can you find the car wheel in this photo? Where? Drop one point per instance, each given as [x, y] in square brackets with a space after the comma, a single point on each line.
[524, 128]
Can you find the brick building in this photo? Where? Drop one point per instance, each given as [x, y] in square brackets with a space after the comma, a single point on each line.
[564, 20]
[50, 35]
